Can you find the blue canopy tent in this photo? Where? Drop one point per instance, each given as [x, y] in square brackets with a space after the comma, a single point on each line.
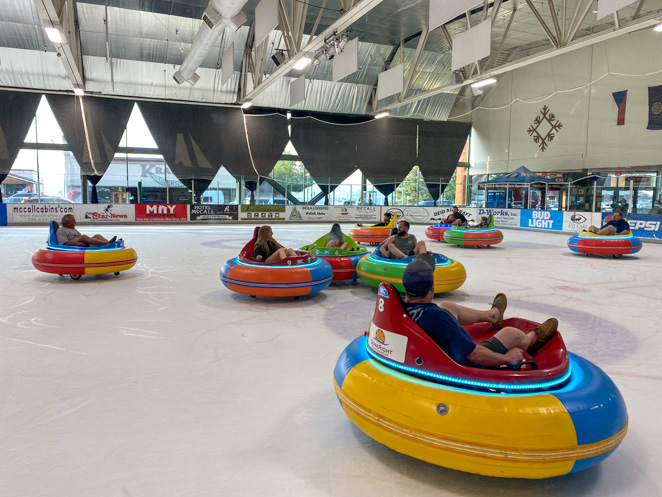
[519, 177]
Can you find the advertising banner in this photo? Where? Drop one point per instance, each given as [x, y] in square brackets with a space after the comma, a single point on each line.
[3, 214]
[105, 213]
[367, 213]
[308, 213]
[543, 220]
[354, 213]
[214, 212]
[429, 215]
[503, 218]
[577, 221]
[641, 225]
[37, 213]
[262, 212]
[158, 212]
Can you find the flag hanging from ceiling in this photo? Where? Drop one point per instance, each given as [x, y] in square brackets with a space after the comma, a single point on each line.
[621, 98]
[654, 107]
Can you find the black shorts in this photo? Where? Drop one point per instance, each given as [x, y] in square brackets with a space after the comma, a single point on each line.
[495, 345]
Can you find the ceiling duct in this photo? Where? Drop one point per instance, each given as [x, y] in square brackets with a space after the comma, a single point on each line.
[218, 15]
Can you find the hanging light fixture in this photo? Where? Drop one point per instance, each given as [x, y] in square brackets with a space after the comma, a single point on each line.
[302, 63]
[53, 35]
[484, 82]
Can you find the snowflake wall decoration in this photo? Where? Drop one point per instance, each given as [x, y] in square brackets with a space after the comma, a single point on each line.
[544, 128]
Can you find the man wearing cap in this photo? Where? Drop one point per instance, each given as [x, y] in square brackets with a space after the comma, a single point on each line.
[402, 244]
[444, 322]
[456, 217]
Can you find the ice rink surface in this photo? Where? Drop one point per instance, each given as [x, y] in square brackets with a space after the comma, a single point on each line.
[161, 382]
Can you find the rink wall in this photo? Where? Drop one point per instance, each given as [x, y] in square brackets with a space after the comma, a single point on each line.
[643, 225]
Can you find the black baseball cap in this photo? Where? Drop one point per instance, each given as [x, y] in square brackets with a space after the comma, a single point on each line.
[418, 277]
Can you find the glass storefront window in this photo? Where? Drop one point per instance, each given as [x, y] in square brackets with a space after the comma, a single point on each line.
[222, 189]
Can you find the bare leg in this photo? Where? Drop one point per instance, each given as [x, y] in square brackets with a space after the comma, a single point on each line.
[389, 249]
[420, 248]
[466, 316]
[278, 255]
[290, 253]
[94, 241]
[607, 230]
[343, 246]
[512, 337]
[104, 239]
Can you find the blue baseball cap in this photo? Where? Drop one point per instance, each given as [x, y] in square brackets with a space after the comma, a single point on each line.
[418, 277]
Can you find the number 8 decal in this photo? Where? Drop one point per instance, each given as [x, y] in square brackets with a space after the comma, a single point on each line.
[381, 305]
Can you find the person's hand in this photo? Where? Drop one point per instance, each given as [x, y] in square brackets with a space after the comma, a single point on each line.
[514, 356]
[80, 244]
[258, 258]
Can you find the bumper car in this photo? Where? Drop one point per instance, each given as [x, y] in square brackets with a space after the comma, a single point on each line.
[474, 237]
[590, 243]
[343, 262]
[374, 269]
[436, 231]
[373, 234]
[560, 415]
[79, 261]
[290, 277]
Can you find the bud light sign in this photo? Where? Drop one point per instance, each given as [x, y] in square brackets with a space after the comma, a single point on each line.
[542, 220]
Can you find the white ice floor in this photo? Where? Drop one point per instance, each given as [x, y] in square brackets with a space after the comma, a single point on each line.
[161, 382]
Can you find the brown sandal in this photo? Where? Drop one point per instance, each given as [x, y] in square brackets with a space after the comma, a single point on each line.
[500, 302]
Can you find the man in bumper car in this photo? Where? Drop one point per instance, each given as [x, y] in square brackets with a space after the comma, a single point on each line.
[616, 226]
[444, 322]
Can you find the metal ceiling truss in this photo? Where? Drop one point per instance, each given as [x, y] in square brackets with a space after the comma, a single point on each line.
[61, 14]
[561, 35]
[352, 13]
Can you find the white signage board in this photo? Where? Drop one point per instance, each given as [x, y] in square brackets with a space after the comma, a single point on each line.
[391, 82]
[428, 215]
[607, 7]
[442, 11]
[266, 19]
[577, 221]
[38, 213]
[227, 68]
[390, 345]
[347, 62]
[105, 213]
[472, 45]
[298, 90]
[503, 218]
[308, 213]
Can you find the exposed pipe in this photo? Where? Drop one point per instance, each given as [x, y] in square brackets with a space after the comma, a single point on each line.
[218, 15]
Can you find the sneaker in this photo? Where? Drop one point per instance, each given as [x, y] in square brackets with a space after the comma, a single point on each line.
[500, 302]
[546, 331]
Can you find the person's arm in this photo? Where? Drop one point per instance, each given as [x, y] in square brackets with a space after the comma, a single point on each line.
[485, 357]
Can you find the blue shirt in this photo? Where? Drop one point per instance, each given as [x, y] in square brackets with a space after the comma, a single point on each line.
[442, 327]
[621, 225]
